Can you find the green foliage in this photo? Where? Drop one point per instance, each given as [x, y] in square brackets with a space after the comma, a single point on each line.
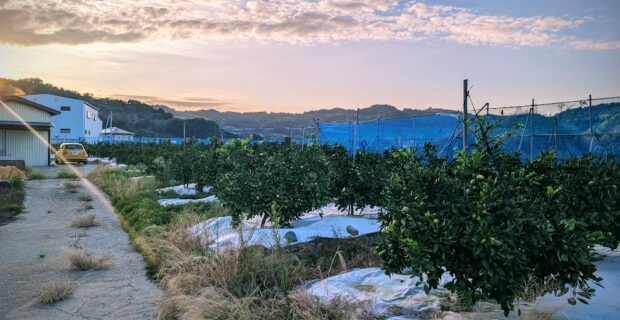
[355, 184]
[271, 178]
[492, 222]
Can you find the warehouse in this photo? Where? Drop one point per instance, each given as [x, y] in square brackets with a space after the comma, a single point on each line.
[25, 131]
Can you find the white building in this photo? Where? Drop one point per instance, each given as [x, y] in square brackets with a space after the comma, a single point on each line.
[78, 120]
[25, 131]
[115, 134]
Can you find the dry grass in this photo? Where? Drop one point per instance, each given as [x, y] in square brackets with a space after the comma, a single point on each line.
[71, 187]
[54, 291]
[83, 260]
[248, 283]
[85, 221]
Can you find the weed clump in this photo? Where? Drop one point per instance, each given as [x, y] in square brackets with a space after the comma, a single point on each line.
[54, 291]
[66, 174]
[71, 187]
[85, 198]
[84, 260]
[85, 221]
[36, 175]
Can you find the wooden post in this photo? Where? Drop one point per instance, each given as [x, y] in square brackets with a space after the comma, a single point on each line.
[465, 96]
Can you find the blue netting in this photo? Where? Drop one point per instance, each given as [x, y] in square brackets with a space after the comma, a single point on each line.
[530, 131]
[382, 134]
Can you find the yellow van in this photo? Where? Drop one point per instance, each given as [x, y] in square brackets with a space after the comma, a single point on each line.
[71, 152]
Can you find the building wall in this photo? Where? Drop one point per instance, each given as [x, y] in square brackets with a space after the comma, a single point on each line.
[27, 113]
[92, 127]
[75, 120]
[22, 143]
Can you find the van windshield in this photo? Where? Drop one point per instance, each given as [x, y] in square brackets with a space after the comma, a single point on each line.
[73, 146]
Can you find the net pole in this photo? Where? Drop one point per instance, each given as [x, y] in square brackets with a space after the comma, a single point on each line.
[555, 134]
[532, 132]
[465, 95]
[591, 129]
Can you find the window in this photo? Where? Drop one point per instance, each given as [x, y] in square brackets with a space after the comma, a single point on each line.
[90, 115]
[65, 130]
[73, 146]
[65, 108]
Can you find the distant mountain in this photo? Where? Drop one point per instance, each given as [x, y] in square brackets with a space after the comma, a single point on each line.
[278, 124]
[132, 115]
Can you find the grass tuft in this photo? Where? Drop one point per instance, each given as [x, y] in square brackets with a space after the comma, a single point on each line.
[71, 187]
[36, 175]
[54, 291]
[84, 260]
[66, 174]
[85, 221]
[85, 197]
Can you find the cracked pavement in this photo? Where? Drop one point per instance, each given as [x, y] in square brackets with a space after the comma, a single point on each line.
[122, 292]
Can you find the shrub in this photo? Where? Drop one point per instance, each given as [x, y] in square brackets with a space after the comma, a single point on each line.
[13, 208]
[86, 197]
[54, 291]
[16, 183]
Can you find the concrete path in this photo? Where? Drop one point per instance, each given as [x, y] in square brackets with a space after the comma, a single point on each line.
[122, 292]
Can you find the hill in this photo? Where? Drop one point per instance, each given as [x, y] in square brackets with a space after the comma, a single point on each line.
[278, 124]
[132, 115]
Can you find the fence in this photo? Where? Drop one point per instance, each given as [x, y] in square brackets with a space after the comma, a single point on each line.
[571, 128]
[112, 139]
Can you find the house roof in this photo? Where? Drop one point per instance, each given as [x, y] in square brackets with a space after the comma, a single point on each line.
[117, 131]
[30, 103]
[66, 98]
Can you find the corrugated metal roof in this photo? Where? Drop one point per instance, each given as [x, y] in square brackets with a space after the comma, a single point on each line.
[30, 103]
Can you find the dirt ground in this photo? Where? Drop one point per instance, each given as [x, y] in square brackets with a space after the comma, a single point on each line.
[122, 292]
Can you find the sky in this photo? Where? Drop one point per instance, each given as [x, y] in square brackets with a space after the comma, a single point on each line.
[293, 56]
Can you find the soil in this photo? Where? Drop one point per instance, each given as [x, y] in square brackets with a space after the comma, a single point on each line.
[34, 248]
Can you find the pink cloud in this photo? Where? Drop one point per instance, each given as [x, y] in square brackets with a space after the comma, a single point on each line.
[305, 22]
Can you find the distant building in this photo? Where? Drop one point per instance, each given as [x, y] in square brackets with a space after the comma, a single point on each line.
[25, 131]
[114, 134]
[78, 120]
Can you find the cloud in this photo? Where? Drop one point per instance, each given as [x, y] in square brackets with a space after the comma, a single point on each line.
[184, 103]
[39, 22]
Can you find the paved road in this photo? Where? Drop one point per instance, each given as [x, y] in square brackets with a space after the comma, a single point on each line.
[123, 292]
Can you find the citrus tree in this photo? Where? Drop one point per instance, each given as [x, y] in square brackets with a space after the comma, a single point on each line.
[268, 179]
[494, 223]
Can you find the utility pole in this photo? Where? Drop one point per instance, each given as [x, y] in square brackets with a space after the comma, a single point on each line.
[465, 96]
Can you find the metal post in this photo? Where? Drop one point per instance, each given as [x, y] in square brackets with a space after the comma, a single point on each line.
[555, 134]
[465, 96]
[355, 131]
[591, 128]
[414, 127]
[532, 132]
